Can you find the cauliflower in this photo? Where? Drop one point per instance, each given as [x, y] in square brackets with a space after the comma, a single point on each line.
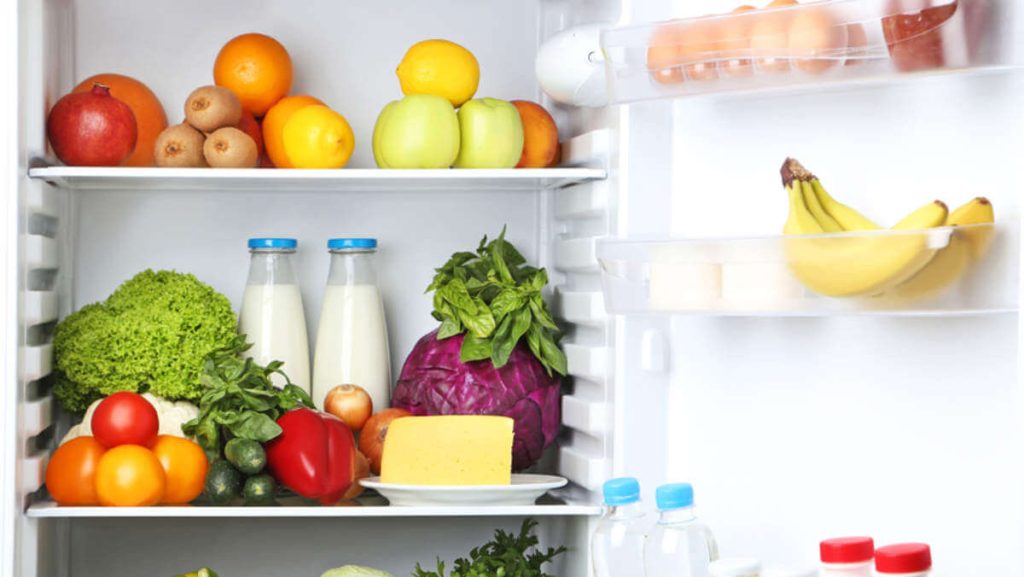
[152, 333]
[172, 415]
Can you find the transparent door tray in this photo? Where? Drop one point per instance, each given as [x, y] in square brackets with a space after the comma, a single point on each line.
[800, 43]
[947, 270]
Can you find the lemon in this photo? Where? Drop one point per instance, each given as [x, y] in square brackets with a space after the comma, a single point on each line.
[317, 137]
[441, 68]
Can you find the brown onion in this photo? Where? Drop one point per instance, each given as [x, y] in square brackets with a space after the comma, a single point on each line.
[350, 403]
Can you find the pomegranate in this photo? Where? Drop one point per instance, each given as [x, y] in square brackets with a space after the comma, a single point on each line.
[92, 129]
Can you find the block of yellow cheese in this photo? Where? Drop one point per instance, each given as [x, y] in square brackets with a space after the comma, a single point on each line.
[448, 450]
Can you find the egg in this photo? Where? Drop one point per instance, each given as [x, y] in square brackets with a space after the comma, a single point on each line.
[664, 63]
[697, 48]
[734, 44]
[857, 43]
[769, 38]
[816, 40]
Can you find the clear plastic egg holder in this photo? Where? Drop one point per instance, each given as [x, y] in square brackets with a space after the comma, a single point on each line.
[811, 42]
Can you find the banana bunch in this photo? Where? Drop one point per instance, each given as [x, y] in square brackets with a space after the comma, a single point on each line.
[906, 260]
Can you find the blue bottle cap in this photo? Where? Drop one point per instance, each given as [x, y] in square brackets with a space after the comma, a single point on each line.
[621, 491]
[674, 496]
[285, 243]
[340, 243]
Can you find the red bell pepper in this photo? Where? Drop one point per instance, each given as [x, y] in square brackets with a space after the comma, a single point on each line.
[315, 455]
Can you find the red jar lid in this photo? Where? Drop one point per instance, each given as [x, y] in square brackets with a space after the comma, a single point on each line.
[847, 550]
[903, 558]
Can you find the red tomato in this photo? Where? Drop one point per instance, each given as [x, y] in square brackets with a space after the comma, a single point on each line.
[125, 419]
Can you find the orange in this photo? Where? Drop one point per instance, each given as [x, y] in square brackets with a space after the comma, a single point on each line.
[149, 113]
[273, 126]
[184, 464]
[540, 135]
[130, 476]
[71, 472]
[256, 68]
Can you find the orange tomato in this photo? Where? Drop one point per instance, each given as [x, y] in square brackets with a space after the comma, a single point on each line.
[273, 126]
[185, 465]
[256, 68]
[71, 473]
[149, 113]
[130, 476]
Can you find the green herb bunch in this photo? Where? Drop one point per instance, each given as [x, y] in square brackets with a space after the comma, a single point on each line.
[239, 399]
[494, 297]
[505, 556]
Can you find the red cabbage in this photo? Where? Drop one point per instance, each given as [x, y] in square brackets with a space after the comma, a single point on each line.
[435, 382]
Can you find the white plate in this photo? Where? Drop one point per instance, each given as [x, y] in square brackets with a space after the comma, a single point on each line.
[524, 490]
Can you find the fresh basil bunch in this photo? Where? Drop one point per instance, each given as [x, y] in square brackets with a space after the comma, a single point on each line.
[239, 400]
[494, 298]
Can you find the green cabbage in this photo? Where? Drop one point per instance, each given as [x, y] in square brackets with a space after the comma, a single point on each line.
[356, 571]
[151, 334]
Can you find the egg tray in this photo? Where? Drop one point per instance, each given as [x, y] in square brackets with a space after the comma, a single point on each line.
[789, 44]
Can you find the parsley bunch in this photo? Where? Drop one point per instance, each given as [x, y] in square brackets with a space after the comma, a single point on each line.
[505, 556]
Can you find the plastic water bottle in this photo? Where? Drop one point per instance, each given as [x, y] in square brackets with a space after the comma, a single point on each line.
[618, 543]
[679, 545]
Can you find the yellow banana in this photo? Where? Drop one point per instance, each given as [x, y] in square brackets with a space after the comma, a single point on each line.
[800, 220]
[970, 239]
[864, 264]
[846, 217]
[978, 211]
[833, 215]
[828, 224]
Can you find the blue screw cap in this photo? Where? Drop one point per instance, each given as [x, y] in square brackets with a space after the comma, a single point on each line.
[284, 243]
[674, 496]
[343, 243]
[621, 491]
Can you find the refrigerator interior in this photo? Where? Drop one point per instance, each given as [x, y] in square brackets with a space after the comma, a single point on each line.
[79, 243]
[791, 429]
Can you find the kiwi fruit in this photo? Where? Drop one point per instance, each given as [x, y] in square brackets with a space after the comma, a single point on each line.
[229, 147]
[179, 146]
[211, 107]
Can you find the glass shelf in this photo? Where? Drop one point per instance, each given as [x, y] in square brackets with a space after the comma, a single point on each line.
[940, 271]
[367, 506]
[85, 178]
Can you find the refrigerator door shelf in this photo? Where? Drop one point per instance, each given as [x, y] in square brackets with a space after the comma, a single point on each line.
[941, 271]
[802, 45]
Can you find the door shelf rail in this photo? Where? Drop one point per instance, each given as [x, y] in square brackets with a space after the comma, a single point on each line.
[945, 271]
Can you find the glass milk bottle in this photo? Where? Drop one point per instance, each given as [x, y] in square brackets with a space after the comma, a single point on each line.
[352, 340]
[272, 315]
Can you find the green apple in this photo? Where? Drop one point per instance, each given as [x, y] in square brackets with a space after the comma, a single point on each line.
[492, 134]
[418, 131]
